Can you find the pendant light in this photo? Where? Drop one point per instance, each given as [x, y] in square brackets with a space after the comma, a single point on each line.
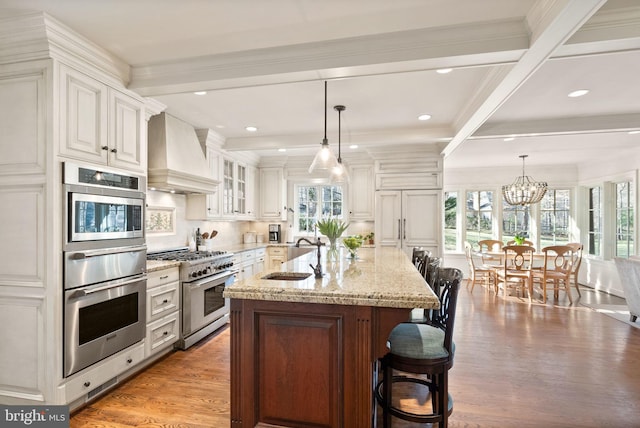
[339, 171]
[525, 190]
[324, 159]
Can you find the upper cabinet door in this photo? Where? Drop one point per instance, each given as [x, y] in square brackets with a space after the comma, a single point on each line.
[127, 132]
[83, 117]
[361, 193]
[100, 124]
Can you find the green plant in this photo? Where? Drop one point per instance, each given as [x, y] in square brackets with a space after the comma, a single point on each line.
[519, 238]
[332, 228]
[352, 242]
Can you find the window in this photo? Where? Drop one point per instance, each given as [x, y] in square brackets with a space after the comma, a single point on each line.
[554, 217]
[450, 220]
[594, 244]
[479, 215]
[515, 218]
[316, 202]
[624, 219]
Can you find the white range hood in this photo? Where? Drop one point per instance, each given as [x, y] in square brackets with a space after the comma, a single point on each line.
[176, 160]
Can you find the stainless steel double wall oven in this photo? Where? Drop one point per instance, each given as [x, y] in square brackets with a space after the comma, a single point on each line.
[104, 263]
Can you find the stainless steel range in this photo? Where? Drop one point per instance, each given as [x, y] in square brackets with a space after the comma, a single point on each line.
[203, 277]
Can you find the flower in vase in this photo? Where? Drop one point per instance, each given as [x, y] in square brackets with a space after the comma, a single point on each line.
[353, 243]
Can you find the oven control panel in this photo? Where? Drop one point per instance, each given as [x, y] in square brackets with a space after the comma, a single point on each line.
[206, 269]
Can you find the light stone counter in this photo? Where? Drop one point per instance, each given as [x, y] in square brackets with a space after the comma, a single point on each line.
[382, 277]
[154, 265]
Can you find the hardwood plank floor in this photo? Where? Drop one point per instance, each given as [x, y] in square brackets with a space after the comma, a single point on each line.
[517, 365]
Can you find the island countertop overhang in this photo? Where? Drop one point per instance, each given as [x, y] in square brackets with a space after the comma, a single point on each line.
[382, 277]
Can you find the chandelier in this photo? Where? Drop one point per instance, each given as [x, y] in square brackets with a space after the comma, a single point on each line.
[525, 190]
[324, 158]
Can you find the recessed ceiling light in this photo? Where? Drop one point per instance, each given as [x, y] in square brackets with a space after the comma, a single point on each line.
[578, 93]
[251, 128]
[353, 146]
[424, 117]
[200, 93]
[444, 70]
[152, 188]
[508, 139]
[282, 150]
[172, 191]
[220, 126]
[634, 132]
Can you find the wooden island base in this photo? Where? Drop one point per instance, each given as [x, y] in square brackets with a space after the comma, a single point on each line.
[306, 364]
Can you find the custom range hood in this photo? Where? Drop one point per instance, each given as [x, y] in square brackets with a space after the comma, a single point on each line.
[176, 160]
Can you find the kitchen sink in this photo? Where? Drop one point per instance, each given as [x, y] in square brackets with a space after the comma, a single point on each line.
[287, 276]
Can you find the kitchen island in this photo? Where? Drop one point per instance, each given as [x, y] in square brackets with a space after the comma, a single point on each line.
[303, 351]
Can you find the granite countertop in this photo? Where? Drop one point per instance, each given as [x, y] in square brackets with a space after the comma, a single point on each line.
[154, 265]
[381, 277]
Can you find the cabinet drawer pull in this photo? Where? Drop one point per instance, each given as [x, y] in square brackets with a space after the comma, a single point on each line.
[87, 384]
[114, 150]
[165, 301]
[129, 360]
[164, 277]
[105, 147]
[165, 333]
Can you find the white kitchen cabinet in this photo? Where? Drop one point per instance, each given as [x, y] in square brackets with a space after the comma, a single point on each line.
[272, 194]
[94, 379]
[259, 263]
[163, 310]
[276, 256]
[409, 218]
[100, 124]
[361, 193]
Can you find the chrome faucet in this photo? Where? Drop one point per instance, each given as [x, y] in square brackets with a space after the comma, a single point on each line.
[317, 270]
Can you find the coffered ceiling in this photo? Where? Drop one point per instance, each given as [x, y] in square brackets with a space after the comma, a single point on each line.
[263, 63]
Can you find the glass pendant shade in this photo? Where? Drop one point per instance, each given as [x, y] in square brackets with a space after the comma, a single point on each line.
[324, 158]
[524, 190]
[339, 172]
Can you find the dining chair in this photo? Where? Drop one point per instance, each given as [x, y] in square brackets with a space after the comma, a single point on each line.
[417, 255]
[577, 261]
[489, 248]
[516, 269]
[556, 271]
[478, 271]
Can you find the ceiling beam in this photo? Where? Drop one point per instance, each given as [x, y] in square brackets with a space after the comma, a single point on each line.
[551, 23]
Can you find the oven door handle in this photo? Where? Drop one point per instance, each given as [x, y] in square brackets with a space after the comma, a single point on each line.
[105, 251]
[112, 284]
[199, 283]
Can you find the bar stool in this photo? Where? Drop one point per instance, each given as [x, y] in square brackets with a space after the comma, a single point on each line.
[423, 349]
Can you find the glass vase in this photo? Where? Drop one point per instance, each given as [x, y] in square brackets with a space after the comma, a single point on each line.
[332, 251]
[353, 253]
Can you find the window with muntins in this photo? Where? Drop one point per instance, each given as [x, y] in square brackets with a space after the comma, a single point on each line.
[594, 244]
[515, 218]
[317, 202]
[450, 221]
[479, 215]
[555, 212]
[624, 219]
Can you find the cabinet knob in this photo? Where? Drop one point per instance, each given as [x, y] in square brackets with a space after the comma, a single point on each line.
[87, 384]
[165, 333]
[129, 360]
[114, 150]
[105, 148]
[165, 301]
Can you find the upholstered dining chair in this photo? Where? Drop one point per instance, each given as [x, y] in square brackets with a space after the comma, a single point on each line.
[423, 349]
[478, 271]
[516, 268]
[556, 271]
[577, 261]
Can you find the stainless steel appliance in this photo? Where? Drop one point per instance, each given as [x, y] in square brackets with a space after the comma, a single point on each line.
[203, 277]
[275, 234]
[104, 207]
[104, 303]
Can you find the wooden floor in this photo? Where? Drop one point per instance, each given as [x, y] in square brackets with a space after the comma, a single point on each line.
[517, 365]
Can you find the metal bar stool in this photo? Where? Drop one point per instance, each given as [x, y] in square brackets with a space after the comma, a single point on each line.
[423, 349]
